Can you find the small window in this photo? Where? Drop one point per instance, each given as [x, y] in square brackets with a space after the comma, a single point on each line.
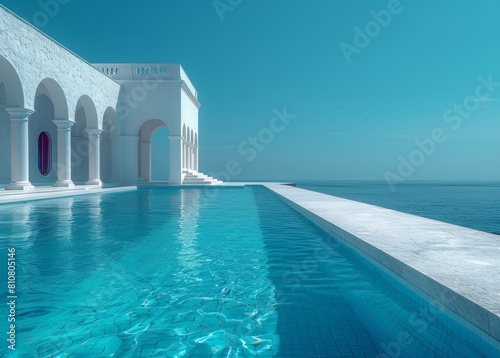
[44, 156]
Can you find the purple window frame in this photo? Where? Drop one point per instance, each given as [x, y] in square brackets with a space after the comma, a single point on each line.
[44, 153]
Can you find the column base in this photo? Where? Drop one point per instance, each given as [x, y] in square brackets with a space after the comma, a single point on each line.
[95, 182]
[64, 184]
[175, 181]
[21, 186]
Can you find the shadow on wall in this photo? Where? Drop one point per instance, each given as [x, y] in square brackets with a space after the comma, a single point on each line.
[160, 154]
[5, 135]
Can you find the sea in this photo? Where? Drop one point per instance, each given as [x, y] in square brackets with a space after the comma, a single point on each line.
[470, 204]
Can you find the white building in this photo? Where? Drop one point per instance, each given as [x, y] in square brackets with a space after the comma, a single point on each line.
[65, 121]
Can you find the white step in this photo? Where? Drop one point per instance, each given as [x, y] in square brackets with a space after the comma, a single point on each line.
[192, 177]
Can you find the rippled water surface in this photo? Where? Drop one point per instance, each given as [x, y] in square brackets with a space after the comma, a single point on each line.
[194, 273]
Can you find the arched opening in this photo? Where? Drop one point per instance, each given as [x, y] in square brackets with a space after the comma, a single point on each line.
[191, 152]
[50, 104]
[44, 154]
[161, 163]
[184, 147]
[13, 91]
[4, 137]
[109, 160]
[187, 153]
[11, 95]
[160, 155]
[196, 159]
[85, 118]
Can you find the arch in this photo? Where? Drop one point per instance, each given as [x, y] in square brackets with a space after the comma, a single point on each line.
[110, 160]
[196, 139]
[14, 94]
[146, 132]
[88, 106]
[188, 138]
[160, 154]
[192, 136]
[110, 122]
[50, 104]
[85, 118]
[54, 92]
[184, 131]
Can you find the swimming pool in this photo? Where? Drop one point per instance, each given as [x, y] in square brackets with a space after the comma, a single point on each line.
[178, 273]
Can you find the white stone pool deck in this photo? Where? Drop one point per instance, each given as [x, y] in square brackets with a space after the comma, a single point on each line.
[456, 266]
[49, 192]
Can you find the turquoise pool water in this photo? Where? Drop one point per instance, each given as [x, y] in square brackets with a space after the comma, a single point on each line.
[178, 273]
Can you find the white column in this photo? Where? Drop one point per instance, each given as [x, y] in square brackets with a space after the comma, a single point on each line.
[190, 156]
[64, 153]
[146, 161]
[196, 157]
[19, 149]
[175, 160]
[94, 157]
[185, 155]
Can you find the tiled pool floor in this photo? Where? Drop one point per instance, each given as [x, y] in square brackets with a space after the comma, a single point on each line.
[456, 266]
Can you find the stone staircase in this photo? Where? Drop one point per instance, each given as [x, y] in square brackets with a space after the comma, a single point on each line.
[192, 177]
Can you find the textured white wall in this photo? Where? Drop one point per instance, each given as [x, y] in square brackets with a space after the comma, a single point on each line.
[140, 93]
[161, 103]
[189, 112]
[35, 57]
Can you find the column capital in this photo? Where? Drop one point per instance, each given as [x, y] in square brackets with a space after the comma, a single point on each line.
[93, 132]
[17, 113]
[63, 123]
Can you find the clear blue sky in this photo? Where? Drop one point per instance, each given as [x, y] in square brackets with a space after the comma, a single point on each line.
[355, 119]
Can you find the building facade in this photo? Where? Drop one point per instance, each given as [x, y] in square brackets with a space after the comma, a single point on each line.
[64, 121]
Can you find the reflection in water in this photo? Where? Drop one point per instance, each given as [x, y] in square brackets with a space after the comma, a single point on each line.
[15, 226]
[188, 223]
[94, 209]
[149, 272]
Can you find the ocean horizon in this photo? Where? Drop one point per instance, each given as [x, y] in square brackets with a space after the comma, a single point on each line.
[470, 203]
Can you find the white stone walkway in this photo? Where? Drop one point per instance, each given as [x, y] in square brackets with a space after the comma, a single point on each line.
[49, 192]
[457, 266]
